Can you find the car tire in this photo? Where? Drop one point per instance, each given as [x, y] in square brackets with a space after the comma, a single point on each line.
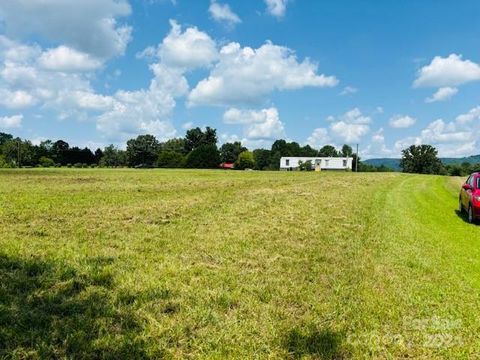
[470, 218]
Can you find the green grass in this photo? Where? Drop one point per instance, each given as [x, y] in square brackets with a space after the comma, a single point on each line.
[209, 264]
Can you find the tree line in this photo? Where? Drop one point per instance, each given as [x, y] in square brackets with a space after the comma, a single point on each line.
[197, 149]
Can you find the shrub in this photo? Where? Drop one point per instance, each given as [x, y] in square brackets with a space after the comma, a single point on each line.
[46, 162]
[246, 160]
[77, 165]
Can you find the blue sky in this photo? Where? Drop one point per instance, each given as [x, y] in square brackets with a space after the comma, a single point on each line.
[384, 74]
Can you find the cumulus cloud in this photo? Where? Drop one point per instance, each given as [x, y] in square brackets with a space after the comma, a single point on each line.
[145, 111]
[66, 59]
[447, 72]
[442, 94]
[351, 126]
[189, 49]
[246, 75]
[276, 8]
[223, 13]
[318, 138]
[402, 121]
[9, 122]
[16, 99]
[262, 124]
[473, 114]
[90, 26]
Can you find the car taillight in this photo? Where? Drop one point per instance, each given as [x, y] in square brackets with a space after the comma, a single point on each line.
[477, 198]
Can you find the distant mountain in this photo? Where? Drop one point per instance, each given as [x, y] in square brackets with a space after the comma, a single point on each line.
[395, 163]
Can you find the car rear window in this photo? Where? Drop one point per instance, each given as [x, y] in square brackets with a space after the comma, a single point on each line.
[478, 183]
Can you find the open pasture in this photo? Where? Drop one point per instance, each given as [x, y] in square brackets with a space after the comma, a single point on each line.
[100, 263]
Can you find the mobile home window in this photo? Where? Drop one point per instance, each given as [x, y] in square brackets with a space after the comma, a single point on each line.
[344, 163]
[326, 162]
[287, 162]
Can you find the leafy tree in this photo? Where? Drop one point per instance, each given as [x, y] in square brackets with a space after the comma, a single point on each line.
[3, 162]
[98, 155]
[170, 159]
[176, 145]
[113, 157]
[308, 151]
[143, 150]
[4, 138]
[59, 150]
[246, 160]
[421, 159]
[328, 151]
[347, 151]
[195, 138]
[229, 151]
[17, 150]
[204, 157]
[262, 159]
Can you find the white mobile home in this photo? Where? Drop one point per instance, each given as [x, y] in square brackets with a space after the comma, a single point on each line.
[318, 163]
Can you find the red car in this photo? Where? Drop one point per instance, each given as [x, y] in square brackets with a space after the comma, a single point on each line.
[469, 199]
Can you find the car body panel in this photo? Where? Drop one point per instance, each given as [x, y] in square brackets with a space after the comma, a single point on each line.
[470, 195]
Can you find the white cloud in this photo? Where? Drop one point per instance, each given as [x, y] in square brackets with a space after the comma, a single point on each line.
[188, 125]
[145, 111]
[89, 26]
[439, 131]
[473, 114]
[16, 99]
[318, 138]
[447, 72]
[188, 50]
[276, 8]
[442, 94]
[9, 122]
[66, 59]
[246, 75]
[258, 124]
[351, 126]
[402, 121]
[378, 136]
[223, 13]
[347, 90]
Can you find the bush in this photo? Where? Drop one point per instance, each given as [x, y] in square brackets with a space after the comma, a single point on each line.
[305, 166]
[204, 157]
[46, 162]
[4, 163]
[246, 160]
[77, 165]
[170, 159]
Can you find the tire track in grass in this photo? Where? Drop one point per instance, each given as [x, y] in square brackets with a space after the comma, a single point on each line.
[425, 286]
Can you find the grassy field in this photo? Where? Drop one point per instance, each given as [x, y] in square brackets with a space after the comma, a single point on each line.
[209, 264]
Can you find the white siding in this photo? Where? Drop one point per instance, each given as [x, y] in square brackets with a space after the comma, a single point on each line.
[326, 163]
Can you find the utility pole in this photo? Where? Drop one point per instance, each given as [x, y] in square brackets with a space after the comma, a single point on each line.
[356, 161]
[18, 153]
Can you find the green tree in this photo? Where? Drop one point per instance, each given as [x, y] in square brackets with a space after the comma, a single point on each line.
[113, 157]
[328, 151]
[170, 159]
[347, 151]
[195, 138]
[4, 137]
[142, 150]
[246, 160]
[18, 152]
[421, 159]
[175, 144]
[229, 151]
[308, 151]
[204, 157]
[262, 159]
[59, 152]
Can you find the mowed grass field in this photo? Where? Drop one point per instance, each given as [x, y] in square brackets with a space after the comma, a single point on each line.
[214, 265]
